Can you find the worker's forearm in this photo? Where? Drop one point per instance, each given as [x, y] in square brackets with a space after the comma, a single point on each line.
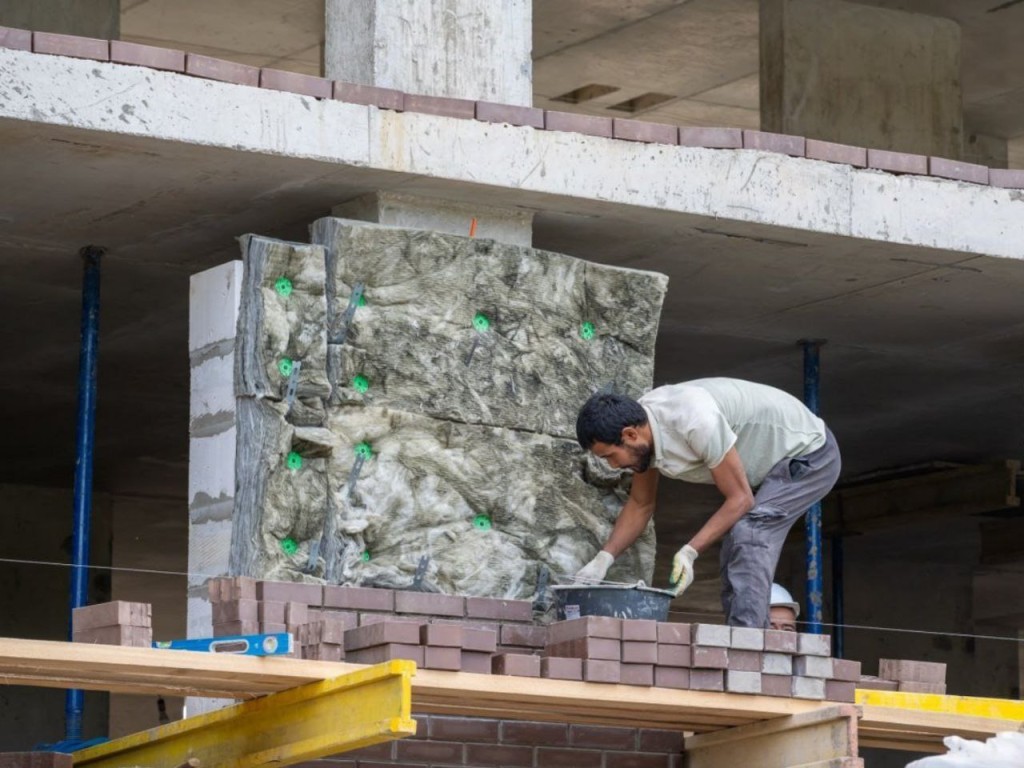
[630, 524]
[721, 522]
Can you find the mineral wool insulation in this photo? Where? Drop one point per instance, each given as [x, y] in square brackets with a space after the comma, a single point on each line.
[404, 394]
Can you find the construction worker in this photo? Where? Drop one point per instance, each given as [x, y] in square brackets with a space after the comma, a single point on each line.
[735, 434]
[783, 611]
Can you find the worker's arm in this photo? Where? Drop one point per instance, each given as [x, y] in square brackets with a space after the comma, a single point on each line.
[731, 478]
[630, 524]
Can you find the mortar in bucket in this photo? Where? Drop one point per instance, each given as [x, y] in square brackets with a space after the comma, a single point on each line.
[624, 601]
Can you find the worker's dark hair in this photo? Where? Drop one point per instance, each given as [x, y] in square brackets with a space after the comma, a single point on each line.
[603, 417]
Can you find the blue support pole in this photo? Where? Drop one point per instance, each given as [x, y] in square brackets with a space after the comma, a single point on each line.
[811, 348]
[86, 426]
[838, 610]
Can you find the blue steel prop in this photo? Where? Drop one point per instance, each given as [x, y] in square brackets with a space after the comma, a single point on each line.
[84, 441]
[812, 521]
[838, 609]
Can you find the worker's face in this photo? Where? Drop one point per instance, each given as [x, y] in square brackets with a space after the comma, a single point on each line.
[634, 453]
[783, 618]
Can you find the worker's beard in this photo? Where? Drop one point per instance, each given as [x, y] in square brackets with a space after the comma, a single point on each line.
[642, 457]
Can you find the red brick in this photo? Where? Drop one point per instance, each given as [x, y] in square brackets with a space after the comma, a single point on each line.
[574, 123]
[16, 39]
[225, 71]
[640, 630]
[588, 626]
[272, 627]
[478, 662]
[534, 734]
[587, 648]
[745, 661]
[484, 640]
[440, 105]
[774, 142]
[384, 751]
[846, 670]
[327, 652]
[912, 686]
[636, 674]
[561, 668]
[954, 169]
[430, 604]
[332, 626]
[359, 598]
[298, 613]
[635, 760]
[641, 130]
[112, 614]
[449, 635]
[295, 82]
[369, 95]
[493, 754]
[837, 690]
[897, 162]
[549, 757]
[490, 112]
[447, 752]
[523, 635]
[710, 658]
[660, 741]
[378, 654]
[365, 619]
[672, 677]
[675, 655]
[640, 653]
[777, 685]
[707, 679]
[1006, 179]
[268, 610]
[135, 637]
[711, 138]
[602, 737]
[910, 670]
[438, 657]
[150, 56]
[233, 588]
[407, 632]
[71, 45]
[35, 759]
[498, 609]
[289, 591]
[232, 628]
[518, 664]
[464, 729]
[673, 633]
[836, 153]
[240, 610]
[876, 683]
[779, 641]
[600, 671]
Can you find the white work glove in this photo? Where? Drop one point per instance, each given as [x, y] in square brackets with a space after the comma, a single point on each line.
[682, 569]
[594, 571]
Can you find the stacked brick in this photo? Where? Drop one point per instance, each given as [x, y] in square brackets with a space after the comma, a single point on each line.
[113, 623]
[36, 760]
[914, 676]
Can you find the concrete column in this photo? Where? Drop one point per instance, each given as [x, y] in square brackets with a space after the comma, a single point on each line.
[861, 75]
[506, 225]
[214, 300]
[87, 18]
[985, 150]
[467, 49]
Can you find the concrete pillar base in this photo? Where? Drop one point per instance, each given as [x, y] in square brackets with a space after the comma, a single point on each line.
[506, 225]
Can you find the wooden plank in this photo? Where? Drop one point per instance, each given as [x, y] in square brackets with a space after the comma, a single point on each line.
[825, 737]
[916, 727]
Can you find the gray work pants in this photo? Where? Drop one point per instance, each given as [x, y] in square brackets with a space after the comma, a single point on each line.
[750, 551]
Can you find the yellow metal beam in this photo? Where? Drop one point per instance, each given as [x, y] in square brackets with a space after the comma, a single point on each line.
[999, 709]
[354, 710]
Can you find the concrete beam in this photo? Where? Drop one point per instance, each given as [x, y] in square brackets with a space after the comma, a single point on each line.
[87, 18]
[500, 165]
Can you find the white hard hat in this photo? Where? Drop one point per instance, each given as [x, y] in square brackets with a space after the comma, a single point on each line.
[782, 598]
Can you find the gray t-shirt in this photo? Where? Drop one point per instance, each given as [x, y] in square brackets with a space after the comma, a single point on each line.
[695, 423]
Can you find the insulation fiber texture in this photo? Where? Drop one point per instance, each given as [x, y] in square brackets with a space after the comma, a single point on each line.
[482, 332]
[416, 436]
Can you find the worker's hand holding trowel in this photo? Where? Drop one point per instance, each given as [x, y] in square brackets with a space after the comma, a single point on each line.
[682, 569]
[595, 571]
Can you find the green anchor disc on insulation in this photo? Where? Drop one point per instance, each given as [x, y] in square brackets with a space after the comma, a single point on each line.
[285, 366]
[364, 451]
[587, 331]
[365, 557]
[481, 322]
[283, 286]
[294, 461]
[360, 383]
[483, 522]
[289, 547]
[362, 300]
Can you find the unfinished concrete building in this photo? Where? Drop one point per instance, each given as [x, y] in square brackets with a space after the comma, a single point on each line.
[823, 183]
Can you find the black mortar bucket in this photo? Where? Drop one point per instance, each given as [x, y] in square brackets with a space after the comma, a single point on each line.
[623, 601]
